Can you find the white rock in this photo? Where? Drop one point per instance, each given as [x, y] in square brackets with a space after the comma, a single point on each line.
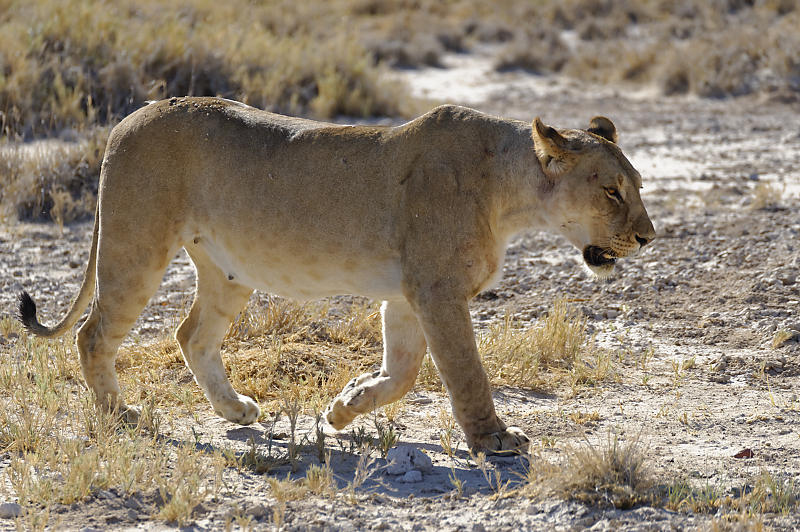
[404, 458]
[411, 476]
[10, 510]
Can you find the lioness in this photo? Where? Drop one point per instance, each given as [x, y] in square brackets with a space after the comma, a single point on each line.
[417, 216]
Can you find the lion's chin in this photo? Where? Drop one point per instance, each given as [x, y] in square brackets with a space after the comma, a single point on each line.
[601, 272]
[599, 261]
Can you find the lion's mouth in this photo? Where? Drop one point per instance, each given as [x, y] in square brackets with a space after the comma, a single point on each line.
[597, 256]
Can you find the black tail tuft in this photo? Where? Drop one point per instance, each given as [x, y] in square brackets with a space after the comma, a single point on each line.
[27, 312]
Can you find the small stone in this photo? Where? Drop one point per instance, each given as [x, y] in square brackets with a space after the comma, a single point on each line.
[720, 365]
[478, 527]
[257, 510]
[404, 458]
[411, 477]
[133, 504]
[10, 510]
[419, 400]
[774, 364]
[382, 525]
[133, 515]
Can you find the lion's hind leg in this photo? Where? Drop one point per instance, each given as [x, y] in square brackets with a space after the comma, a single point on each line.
[200, 336]
[403, 350]
[125, 283]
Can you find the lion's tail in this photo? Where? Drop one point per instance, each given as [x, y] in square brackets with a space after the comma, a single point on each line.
[27, 308]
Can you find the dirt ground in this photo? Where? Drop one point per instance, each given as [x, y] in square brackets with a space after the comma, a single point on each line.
[695, 322]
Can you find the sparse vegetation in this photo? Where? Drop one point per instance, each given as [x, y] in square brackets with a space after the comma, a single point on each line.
[767, 493]
[554, 351]
[766, 195]
[271, 351]
[615, 473]
[685, 48]
[45, 418]
[74, 64]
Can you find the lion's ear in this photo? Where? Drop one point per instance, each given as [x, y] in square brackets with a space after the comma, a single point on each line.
[603, 127]
[552, 149]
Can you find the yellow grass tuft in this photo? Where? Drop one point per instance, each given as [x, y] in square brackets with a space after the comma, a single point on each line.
[612, 473]
[766, 196]
[556, 350]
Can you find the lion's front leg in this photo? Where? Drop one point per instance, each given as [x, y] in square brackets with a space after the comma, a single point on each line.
[448, 330]
[403, 350]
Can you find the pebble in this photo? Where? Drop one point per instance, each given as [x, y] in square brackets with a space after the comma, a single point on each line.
[404, 458]
[9, 510]
[774, 364]
[133, 504]
[258, 510]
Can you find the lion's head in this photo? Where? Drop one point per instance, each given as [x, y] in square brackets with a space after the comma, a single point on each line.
[595, 192]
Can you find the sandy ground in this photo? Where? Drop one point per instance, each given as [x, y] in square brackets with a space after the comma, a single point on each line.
[691, 320]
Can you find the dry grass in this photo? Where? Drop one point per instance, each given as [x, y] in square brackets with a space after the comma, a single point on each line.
[271, 350]
[46, 415]
[51, 179]
[613, 473]
[72, 64]
[63, 450]
[767, 493]
[685, 49]
[766, 196]
[617, 473]
[555, 351]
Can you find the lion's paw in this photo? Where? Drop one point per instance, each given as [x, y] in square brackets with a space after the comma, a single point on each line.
[512, 440]
[338, 415]
[242, 410]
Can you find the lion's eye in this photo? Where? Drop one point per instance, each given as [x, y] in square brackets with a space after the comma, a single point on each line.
[614, 194]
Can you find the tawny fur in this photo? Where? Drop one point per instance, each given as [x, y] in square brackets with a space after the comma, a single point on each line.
[417, 215]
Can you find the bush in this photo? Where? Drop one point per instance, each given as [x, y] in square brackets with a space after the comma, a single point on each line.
[73, 63]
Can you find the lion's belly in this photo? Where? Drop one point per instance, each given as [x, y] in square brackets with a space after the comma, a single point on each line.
[306, 271]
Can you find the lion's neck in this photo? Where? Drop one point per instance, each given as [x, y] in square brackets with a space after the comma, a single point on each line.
[521, 187]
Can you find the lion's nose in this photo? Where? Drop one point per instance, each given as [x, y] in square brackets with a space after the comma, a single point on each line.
[643, 240]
